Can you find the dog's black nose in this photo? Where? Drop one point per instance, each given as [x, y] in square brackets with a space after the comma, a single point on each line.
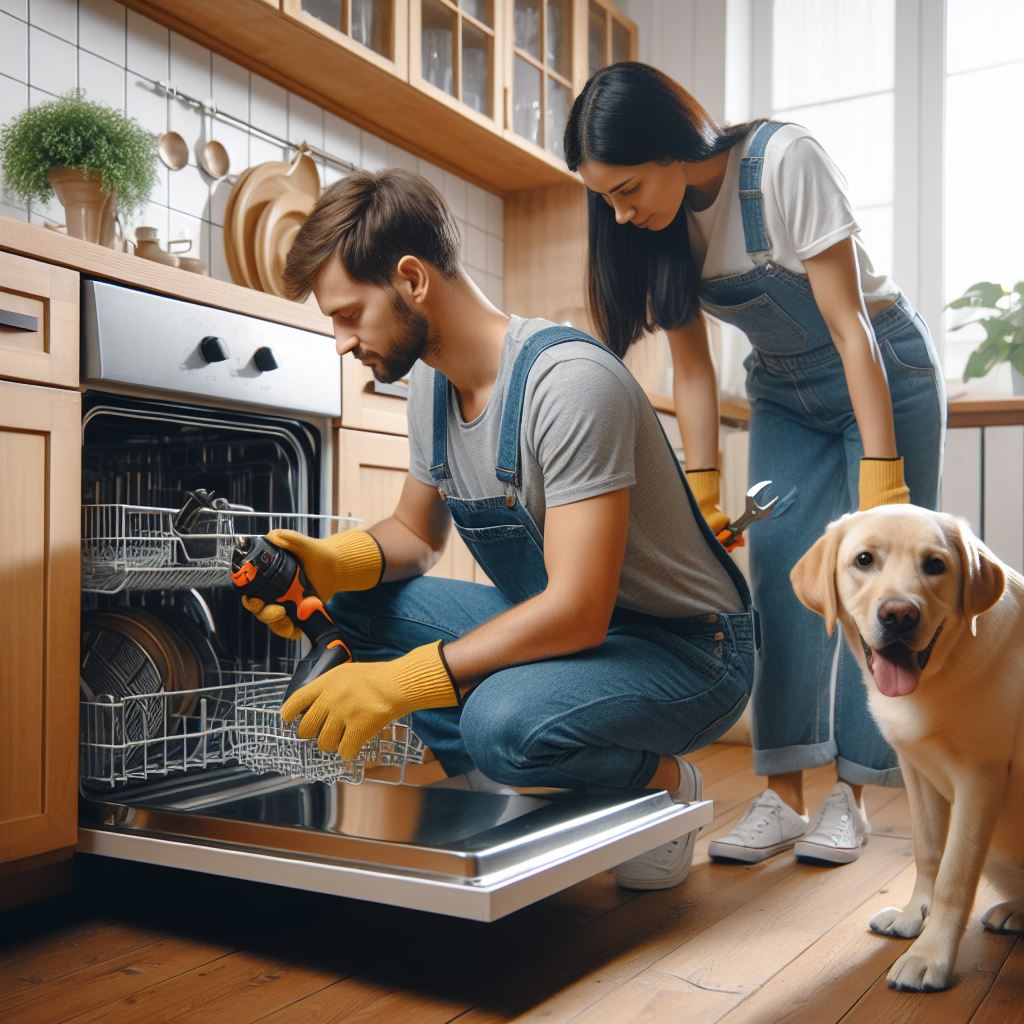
[898, 616]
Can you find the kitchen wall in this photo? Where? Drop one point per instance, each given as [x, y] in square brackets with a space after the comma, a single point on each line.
[113, 54]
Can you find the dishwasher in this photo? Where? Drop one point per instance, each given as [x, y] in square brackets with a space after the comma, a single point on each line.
[184, 761]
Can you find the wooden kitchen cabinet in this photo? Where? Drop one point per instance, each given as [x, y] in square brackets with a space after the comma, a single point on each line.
[369, 472]
[610, 36]
[376, 29]
[38, 322]
[367, 404]
[40, 572]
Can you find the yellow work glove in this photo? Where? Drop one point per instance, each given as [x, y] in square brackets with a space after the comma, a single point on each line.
[705, 486]
[350, 704]
[350, 560]
[882, 483]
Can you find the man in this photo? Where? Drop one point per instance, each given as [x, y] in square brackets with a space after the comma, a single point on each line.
[618, 634]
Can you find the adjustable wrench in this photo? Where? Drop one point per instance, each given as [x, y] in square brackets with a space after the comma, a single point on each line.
[751, 513]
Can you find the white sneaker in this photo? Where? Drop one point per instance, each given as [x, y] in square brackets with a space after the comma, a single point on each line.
[769, 827]
[839, 832]
[668, 865]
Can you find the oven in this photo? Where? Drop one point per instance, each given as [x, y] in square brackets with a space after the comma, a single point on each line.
[184, 760]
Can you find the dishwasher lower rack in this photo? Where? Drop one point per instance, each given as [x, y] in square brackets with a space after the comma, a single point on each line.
[135, 547]
[153, 735]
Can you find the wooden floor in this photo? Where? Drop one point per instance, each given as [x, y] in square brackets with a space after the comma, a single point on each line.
[778, 941]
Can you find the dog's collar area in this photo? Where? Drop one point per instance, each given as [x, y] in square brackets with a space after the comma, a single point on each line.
[922, 655]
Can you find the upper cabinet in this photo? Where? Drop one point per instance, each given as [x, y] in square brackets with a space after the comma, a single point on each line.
[379, 28]
[455, 55]
[482, 87]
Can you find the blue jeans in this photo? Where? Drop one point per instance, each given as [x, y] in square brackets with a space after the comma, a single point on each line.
[598, 720]
[803, 436]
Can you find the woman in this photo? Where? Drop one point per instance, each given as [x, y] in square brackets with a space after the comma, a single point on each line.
[753, 225]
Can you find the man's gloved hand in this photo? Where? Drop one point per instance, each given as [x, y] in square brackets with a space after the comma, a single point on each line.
[882, 483]
[705, 486]
[350, 704]
[350, 560]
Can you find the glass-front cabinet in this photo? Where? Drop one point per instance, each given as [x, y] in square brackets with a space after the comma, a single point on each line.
[611, 37]
[377, 25]
[454, 50]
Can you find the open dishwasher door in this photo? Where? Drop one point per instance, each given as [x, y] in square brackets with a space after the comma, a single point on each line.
[461, 852]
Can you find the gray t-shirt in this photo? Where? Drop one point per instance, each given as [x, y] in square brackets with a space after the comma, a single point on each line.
[587, 429]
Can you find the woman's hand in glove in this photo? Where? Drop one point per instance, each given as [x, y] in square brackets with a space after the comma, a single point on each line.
[705, 484]
[350, 704]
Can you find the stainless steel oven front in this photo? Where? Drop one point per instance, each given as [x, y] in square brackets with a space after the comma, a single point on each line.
[183, 762]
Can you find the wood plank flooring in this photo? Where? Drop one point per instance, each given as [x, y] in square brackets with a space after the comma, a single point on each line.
[764, 944]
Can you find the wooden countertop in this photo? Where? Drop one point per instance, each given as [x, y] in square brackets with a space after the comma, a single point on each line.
[962, 412]
[94, 260]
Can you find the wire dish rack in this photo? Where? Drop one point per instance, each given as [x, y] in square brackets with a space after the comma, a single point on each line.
[153, 735]
[136, 547]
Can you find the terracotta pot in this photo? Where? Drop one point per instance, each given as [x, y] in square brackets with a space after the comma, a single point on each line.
[88, 210]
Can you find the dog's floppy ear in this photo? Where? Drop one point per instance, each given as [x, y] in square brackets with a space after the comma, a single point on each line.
[814, 576]
[983, 577]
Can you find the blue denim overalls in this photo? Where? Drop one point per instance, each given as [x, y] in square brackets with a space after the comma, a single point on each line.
[803, 436]
[596, 719]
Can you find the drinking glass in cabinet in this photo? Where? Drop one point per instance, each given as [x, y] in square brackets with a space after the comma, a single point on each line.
[559, 37]
[476, 65]
[527, 26]
[479, 9]
[556, 116]
[369, 21]
[328, 11]
[595, 38]
[526, 103]
[436, 46]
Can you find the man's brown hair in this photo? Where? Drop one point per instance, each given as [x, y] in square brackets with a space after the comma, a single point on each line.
[370, 221]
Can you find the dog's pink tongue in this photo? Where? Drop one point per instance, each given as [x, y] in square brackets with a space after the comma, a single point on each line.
[896, 670]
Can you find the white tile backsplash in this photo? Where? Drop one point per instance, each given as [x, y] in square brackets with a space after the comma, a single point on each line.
[114, 53]
[53, 62]
[101, 81]
[101, 29]
[13, 48]
[58, 17]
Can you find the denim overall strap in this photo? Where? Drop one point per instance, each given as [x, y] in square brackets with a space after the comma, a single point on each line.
[439, 459]
[751, 198]
[508, 465]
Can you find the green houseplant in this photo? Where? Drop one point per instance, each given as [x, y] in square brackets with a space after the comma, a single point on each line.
[1001, 315]
[91, 155]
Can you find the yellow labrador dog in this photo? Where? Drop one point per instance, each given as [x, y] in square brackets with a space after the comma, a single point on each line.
[937, 624]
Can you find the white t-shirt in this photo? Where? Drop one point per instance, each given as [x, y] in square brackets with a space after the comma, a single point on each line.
[806, 210]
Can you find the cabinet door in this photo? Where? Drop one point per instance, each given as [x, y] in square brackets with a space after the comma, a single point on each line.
[610, 35]
[378, 28]
[38, 322]
[40, 572]
[454, 54]
[366, 404]
[369, 472]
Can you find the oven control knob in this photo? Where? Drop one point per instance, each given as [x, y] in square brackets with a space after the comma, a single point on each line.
[213, 349]
[264, 359]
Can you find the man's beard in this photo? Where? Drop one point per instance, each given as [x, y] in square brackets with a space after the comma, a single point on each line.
[411, 343]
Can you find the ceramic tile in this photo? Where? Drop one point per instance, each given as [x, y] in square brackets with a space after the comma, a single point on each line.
[495, 256]
[147, 48]
[189, 192]
[145, 104]
[220, 192]
[230, 87]
[268, 106]
[235, 141]
[495, 290]
[101, 81]
[455, 191]
[190, 67]
[218, 262]
[13, 48]
[476, 206]
[13, 98]
[375, 152]
[53, 62]
[330, 174]
[260, 151]
[197, 231]
[342, 139]
[398, 157]
[433, 174]
[476, 247]
[161, 187]
[101, 29]
[305, 122]
[58, 17]
[19, 8]
[14, 212]
[186, 120]
[495, 215]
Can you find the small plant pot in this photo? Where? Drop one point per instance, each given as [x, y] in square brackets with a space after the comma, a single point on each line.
[88, 210]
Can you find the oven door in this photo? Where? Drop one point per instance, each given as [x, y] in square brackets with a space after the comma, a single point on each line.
[440, 848]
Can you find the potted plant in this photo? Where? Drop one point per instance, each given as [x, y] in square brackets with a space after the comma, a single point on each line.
[1002, 318]
[91, 155]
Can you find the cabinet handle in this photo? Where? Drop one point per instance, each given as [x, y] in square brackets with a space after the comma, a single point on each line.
[19, 321]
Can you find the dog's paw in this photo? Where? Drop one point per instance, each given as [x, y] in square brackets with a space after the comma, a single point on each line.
[1005, 918]
[905, 923]
[916, 973]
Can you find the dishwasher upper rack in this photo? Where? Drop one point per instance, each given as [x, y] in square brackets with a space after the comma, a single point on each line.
[136, 547]
[150, 736]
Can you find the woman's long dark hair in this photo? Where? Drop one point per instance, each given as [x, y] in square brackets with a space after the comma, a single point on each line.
[630, 113]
